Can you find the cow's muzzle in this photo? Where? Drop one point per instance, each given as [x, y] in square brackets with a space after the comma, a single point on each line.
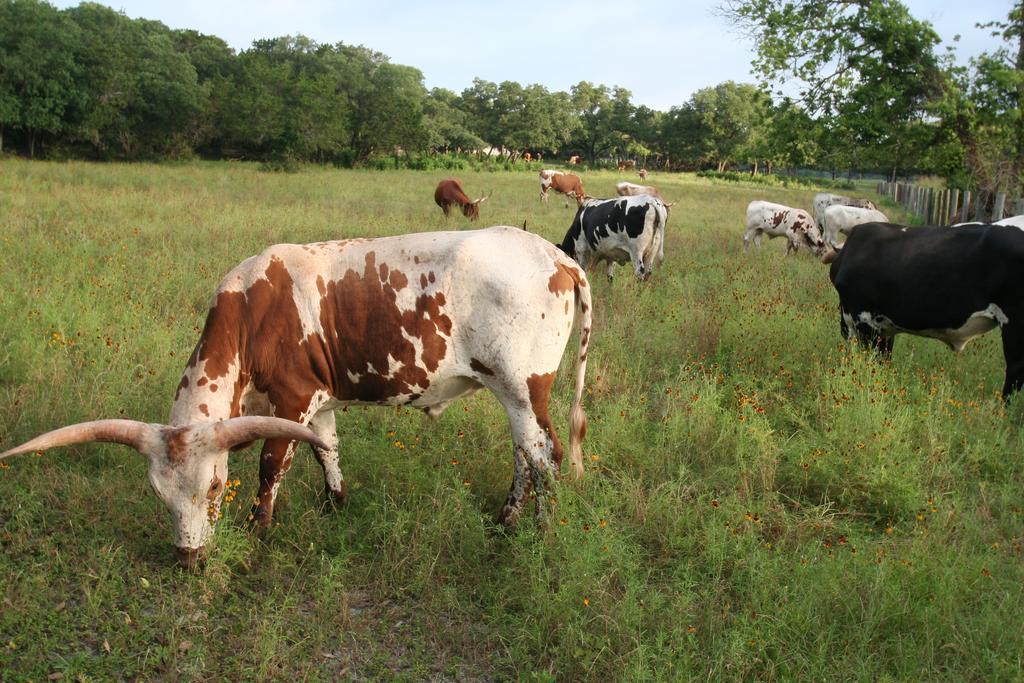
[190, 558]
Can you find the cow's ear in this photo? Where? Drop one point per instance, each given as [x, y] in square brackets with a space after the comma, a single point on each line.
[830, 256]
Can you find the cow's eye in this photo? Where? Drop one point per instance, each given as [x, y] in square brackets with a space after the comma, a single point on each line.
[215, 488]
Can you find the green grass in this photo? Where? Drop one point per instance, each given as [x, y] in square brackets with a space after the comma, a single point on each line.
[761, 503]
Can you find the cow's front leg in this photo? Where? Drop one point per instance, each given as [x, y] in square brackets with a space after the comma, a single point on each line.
[275, 459]
[324, 426]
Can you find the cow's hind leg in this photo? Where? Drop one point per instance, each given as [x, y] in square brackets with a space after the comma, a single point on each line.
[1013, 353]
[537, 450]
[324, 426]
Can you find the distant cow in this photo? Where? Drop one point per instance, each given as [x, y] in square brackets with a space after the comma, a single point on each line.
[568, 184]
[842, 219]
[575, 159]
[777, 220]
[626, 165]
[527, 157]
[951, 285]
[299, 331]
[643, 174]
[823, 200]
[620, 230]
[627, 189]
[449, 193]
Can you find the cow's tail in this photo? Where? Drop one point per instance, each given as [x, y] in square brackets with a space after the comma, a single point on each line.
[577, 418]
[660, 221]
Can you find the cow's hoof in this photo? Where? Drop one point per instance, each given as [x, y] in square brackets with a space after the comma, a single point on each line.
[260, 520]
[335, 500]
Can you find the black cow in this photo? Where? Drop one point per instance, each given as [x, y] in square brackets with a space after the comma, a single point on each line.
[619, 230]
[951, 284]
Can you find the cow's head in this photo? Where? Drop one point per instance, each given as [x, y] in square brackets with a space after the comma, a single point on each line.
[188, 466]
[472, 209]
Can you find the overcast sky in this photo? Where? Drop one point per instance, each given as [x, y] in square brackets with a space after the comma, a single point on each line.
[662, 51]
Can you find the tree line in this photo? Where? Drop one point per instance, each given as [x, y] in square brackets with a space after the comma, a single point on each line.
[89, 82]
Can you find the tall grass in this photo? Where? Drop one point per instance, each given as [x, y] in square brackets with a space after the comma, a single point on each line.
[762, 502]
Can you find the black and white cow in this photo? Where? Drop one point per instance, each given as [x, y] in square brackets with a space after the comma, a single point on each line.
[951, 285]
[619, 230]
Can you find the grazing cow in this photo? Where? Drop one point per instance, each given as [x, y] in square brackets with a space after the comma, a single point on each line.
[841, 219]
[301, 330]
[627, 189]
[565, 183]
[449, 193]
[951, 285]
[575, 159]
[777, 220]
[626, 165]
[619, 230]
[643, 174]
[823, 200]
[527, 157]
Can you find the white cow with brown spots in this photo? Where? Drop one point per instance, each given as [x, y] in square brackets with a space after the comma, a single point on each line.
[300, 330]
[840, 218]
[777, 220]
[628, 189]
[823, 200]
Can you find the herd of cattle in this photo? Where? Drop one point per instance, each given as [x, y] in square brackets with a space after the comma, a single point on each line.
[422, 319]
[948, 283]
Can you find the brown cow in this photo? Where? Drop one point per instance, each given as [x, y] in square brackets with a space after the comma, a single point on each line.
[566, 183]
[575, 159]
[626, 165]
[643, 174]
[527, 157]
[449, 192]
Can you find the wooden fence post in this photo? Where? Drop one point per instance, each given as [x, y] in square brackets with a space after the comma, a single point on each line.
[954, 204]
[998, 206]
[979, 207]
[965, 208]
[1018, 207]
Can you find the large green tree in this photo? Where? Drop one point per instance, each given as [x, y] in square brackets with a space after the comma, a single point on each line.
[141, 94]
[870, 64]
[38, 71]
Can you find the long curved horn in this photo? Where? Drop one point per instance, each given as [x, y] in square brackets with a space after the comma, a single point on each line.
[240, 430]
[484, 199]
[128, 432]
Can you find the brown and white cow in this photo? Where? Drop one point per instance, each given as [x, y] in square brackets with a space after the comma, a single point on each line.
[626, 165]
[568, 184]
[777, 220]
[301, 330]
[643, 174]
[575, 159]
[449, 193]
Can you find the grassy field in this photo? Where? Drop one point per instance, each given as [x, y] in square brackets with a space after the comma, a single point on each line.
[762, 502]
